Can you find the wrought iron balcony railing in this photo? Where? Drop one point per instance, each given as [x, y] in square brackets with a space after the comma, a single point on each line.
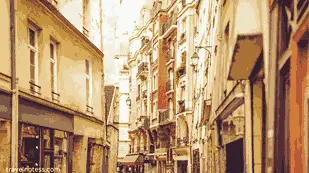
[34, 88]
[155, 8]
[142, 70]
[55, 96]
[184, 141]
[172, 20]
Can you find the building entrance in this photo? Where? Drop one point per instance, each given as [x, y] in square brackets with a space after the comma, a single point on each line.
[234, 157]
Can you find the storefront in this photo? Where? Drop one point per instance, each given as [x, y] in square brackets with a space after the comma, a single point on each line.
[133, 163]
[46, 137]
[5, 128]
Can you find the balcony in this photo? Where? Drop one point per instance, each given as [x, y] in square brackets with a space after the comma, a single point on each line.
[157, 5]
[245, 42]
[182, 142]
[55, 97]
[143, 122]
[181, 71]
[144, 41]
[171, 22]
[168, 85]
[163, 116]
[89, 110]
[34, 88]
[181, 106]
[142, 70]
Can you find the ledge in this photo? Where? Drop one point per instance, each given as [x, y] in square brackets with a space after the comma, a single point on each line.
[233, 100]
[59, 107]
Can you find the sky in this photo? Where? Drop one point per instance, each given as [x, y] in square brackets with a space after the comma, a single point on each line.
[118, 20]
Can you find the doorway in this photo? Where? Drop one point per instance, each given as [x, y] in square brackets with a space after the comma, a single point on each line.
[234, 157]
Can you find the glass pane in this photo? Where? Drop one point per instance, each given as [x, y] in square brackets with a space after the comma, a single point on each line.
[30, 155]
[47, 161]
[52, 51]
[32, 57]
[60, 150]
[32, 72]
[47, 138]
[87, 88]
[52, 72]
[31, 37]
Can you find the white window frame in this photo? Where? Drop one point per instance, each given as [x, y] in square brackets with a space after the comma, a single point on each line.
[35, 50]
[89, 77]
[54, 61]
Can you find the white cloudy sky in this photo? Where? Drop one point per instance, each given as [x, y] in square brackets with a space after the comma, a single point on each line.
[124, 16]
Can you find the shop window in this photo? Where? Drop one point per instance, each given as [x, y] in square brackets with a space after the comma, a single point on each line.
[30, 149]
[44, 147]
[60, 149]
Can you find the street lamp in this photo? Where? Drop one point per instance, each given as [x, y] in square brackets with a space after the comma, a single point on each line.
[128, 101]
[194, 59]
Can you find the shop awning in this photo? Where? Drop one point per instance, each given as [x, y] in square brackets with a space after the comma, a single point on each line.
[136, 159]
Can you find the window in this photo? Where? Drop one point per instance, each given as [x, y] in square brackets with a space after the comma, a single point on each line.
[154, 83]
[88, 83]
[155, 108]
[44, 146]
[33, 53]
[53, 66]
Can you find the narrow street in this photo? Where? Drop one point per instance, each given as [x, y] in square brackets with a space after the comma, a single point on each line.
[154, 86]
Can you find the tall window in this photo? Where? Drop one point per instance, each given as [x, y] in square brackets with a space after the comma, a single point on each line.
[88, 83]
[33, 53]
[154, 83]
[53, 66]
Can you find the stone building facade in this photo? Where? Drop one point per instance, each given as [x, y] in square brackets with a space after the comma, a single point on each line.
[229, 75]
[52, 86]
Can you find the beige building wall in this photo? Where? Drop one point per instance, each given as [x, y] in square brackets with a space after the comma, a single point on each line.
[71, 64]
[5, 65]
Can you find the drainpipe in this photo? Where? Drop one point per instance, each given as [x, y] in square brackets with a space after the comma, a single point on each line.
[14, 88]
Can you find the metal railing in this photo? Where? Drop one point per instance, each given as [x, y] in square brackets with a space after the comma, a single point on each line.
[89, 109]
[184, 141]
[172, 20]
[55, 96]
[34, 88]
[142, 67]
